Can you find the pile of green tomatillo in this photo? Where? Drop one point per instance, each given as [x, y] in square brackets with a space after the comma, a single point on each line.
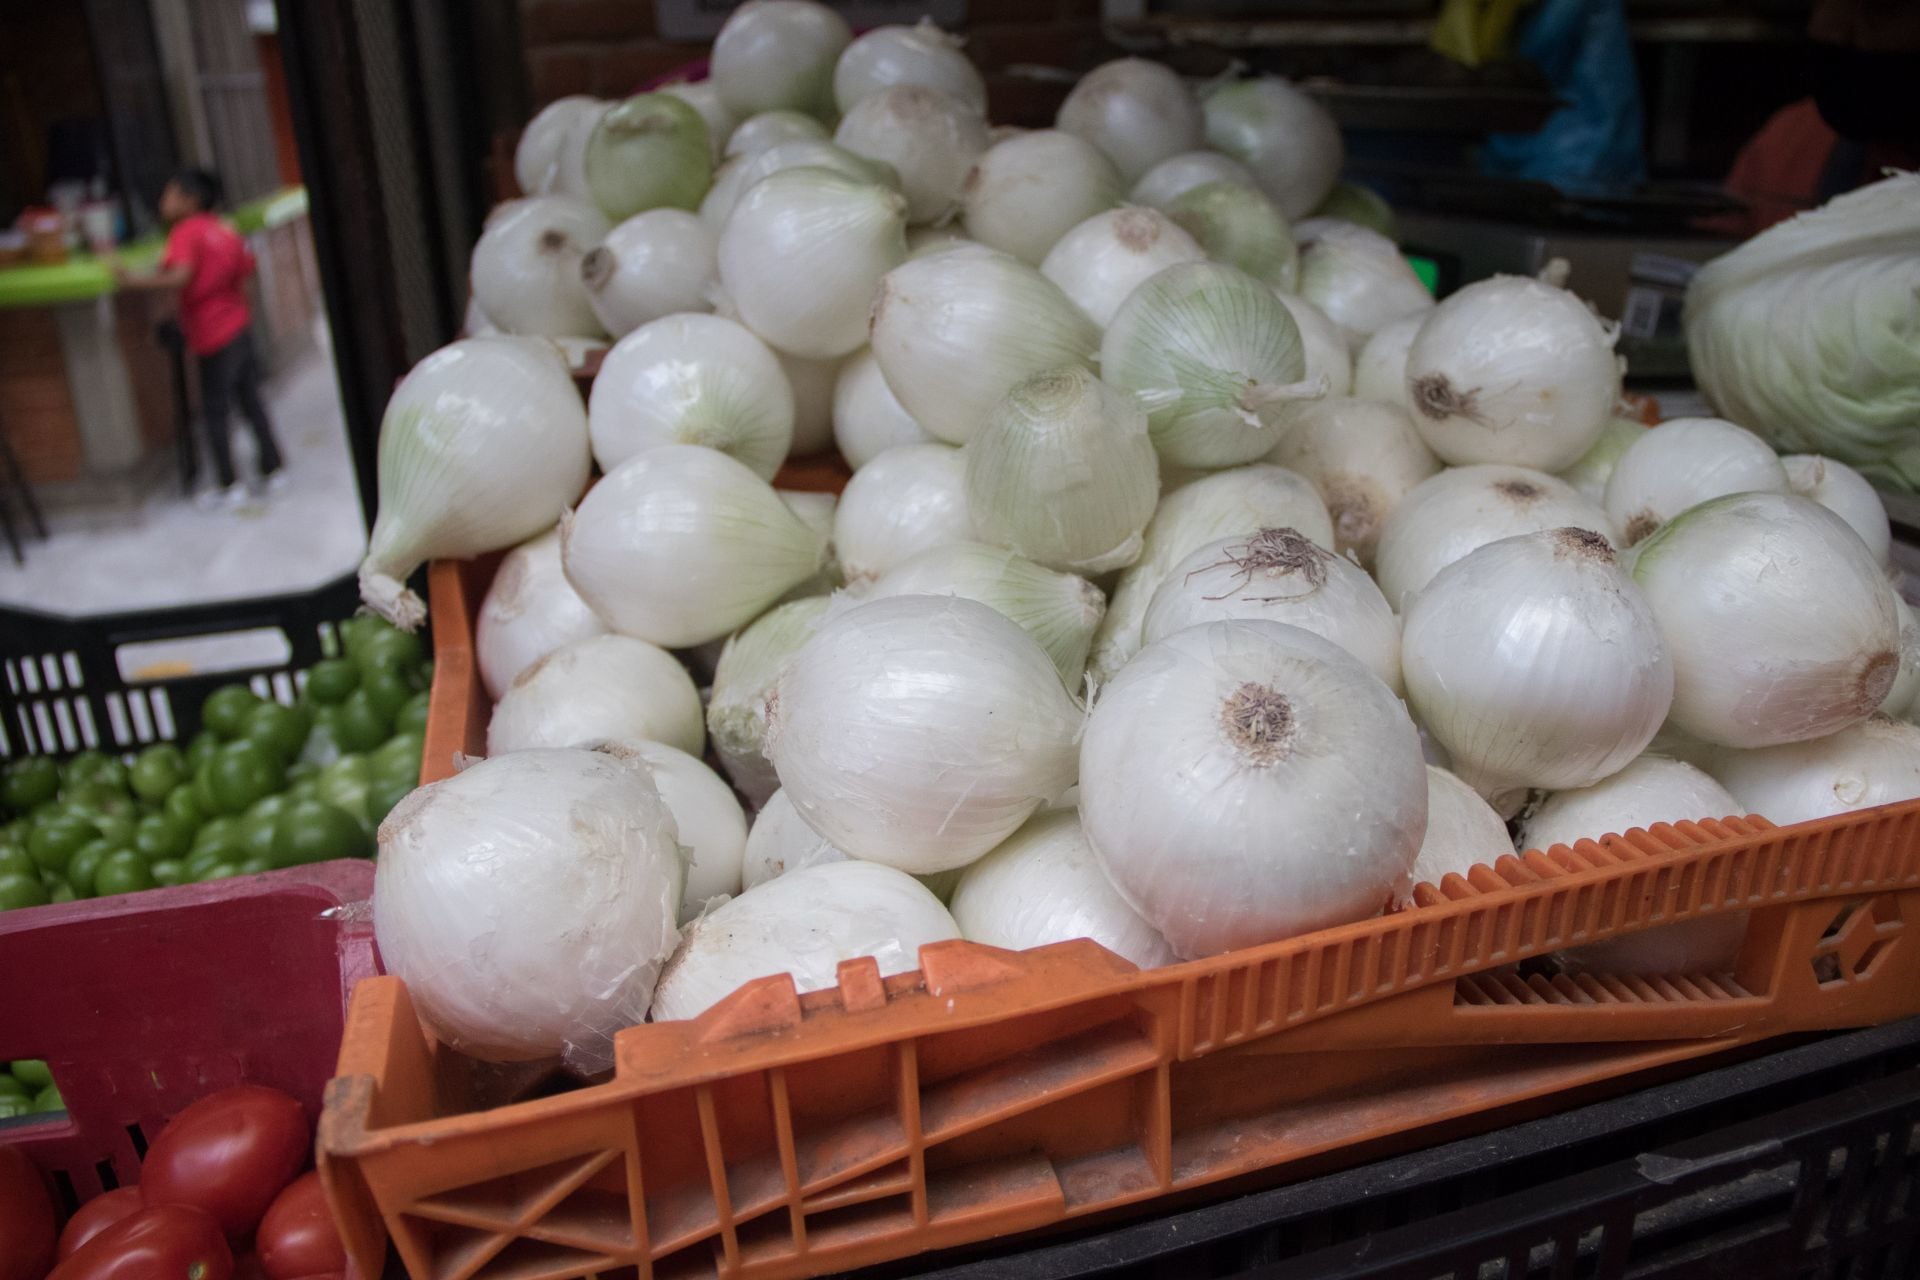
[262, 785]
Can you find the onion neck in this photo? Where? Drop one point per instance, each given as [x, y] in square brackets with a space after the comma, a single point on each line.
[1258, 397]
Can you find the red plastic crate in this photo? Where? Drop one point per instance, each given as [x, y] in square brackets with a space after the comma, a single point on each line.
[144, 1002]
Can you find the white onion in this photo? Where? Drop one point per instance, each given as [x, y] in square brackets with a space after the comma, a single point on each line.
[1781, 625]
[681, 544]
[802, 252]
[536, 160]
[1173, 177]
[692, 379]
[1137, 112]
[1215, 359]
[779, 54]
[1325, 348]
[1059, 610]
[812, 382]
[1063, 472]
[649, 266]
[1845, 492]
[1651, 789]
[710, 826]
[569, 172]
[803, 923]
[817, 511]
[907, 499]
[1241, 501]
[1463, 832]
[704, 97]
[1595, 468]
[1361, 280]
[1044, 884]
[867, 417]
[1247, 781]
[929, 137]
[651, 151]
[1682, 463]
[605, 688]
[738, 175]
[1278, 575]
[529, 903]
[1536, 662]
[954, 331]
[1101, 261]
[1363, 456]
[922, 241]
[1512, 370]
[1023, 194]
[765, 129]
[1443, 518]
[529, 611]
[1380, 366]
[1288, 140]
[781, 841]
[922, 54]
[920, 731]
[1237, 225]
[526, 266]
[749, 664]
[1873, 763]
[1906, 686]
[483, 445]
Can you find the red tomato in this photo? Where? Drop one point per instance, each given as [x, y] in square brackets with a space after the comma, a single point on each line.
[229, 1153]
[28, 1229]
[297, 1238]
[97, 1214]
[171, 1242]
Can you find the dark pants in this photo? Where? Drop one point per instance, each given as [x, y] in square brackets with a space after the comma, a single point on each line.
[231, 374]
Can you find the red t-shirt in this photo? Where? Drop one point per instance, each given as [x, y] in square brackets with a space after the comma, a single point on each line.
[213, 307]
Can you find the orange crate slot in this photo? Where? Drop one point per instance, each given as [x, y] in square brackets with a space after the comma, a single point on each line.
[990, 1092]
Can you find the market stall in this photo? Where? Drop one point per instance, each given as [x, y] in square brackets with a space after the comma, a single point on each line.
[939, 698]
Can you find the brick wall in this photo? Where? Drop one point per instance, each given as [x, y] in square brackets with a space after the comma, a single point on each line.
[609, 47]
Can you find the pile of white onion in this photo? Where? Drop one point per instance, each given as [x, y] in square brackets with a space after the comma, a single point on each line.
[1181, 515]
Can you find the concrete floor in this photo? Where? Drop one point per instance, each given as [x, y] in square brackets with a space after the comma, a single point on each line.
[168, 552]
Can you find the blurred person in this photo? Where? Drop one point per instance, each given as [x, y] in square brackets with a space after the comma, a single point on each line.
[209, 263]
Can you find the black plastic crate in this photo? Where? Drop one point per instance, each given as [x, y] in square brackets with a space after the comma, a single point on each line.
[66, 689]
[1803, 1162]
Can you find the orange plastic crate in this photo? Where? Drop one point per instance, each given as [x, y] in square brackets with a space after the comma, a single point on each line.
[992, 1093]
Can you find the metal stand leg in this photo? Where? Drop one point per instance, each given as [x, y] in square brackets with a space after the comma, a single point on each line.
[18, 479]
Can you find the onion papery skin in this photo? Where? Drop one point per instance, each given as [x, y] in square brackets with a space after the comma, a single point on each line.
[1137, 112]
[681, 544]
[1044, 884]
[804, 923]
[920, 731]
[1781, 625]
[801, 254]
[905, 501]
[1025, 193]
[1241, 500]
[606, 688]
[530, 610]
[1288, 140]
[1278, 575]
[1363, 456]
[1064, 474]
[1445, 517]
[954, 331]
[1515, 371]
[1463, 832]
[526, 267]
[529, 903]
[1536, 662]
[1682, 463]
[1214, 357]
[775, 55]
[1214, 739]
[692, 379]
[482, 446]
[653, 265]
